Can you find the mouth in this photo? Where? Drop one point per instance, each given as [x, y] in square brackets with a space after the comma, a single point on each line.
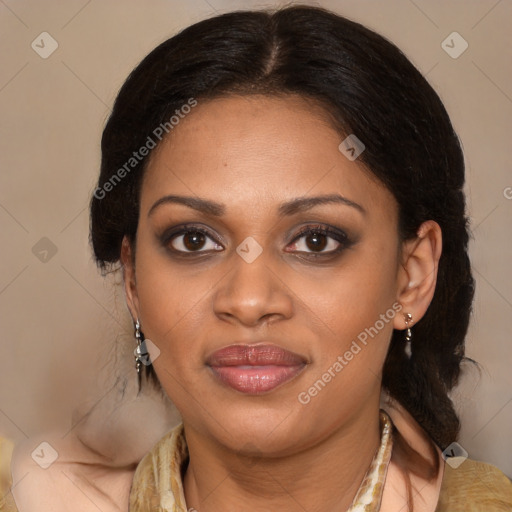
[255, 369]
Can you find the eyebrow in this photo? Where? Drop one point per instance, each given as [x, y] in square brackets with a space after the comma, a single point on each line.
[291, 207]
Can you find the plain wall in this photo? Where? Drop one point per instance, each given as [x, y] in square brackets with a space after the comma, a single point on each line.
[66, 333]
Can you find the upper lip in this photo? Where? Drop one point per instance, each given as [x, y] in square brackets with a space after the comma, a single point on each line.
[261, 354]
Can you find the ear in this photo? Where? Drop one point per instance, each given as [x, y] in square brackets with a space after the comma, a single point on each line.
[417, 276]
[130, 284]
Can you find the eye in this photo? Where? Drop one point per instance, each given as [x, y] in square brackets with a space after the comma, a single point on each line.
[320, 240]
[317, 240]
[191, 239]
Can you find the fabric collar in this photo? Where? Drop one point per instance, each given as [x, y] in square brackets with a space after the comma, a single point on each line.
[382, 489]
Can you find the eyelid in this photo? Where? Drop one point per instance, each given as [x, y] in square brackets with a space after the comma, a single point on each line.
[321, 228]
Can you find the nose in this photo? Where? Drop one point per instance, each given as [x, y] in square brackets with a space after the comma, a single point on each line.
[253, 293]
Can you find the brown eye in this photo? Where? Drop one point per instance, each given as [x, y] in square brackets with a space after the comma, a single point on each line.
[191, 240]
[194, 240]
[316, 241]
[319, 240]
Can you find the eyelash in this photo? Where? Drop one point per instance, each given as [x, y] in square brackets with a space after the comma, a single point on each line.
[335, 234]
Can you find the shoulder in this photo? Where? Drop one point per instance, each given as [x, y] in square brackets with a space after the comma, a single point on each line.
[6, 499]
[475, 487]
[157, 482]
[55, 471]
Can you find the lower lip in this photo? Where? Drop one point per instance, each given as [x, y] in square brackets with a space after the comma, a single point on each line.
[254, 380]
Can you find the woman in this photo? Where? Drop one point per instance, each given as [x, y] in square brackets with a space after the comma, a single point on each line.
[283, 192]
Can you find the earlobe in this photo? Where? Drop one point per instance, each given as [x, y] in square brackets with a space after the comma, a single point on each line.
[130, 285]
[418, 273]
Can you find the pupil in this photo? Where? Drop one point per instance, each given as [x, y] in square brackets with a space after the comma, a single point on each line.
[316, 244]
[193, 240]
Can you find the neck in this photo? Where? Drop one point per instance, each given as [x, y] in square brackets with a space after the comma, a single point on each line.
[322, 478]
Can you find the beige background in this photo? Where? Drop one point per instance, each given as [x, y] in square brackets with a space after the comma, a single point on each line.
[66, 334]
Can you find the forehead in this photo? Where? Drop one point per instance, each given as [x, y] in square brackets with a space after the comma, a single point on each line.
[256, 149]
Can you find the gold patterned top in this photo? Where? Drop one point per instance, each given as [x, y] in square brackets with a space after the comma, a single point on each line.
[472, 487]
[157, 485]
[369, 494]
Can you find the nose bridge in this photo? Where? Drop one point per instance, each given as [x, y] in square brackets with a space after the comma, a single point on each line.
[252, 275]
[252, 288]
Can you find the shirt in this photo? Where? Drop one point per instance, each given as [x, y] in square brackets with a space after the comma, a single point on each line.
[158, 482]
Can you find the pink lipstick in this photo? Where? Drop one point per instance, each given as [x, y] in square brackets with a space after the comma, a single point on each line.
[255, 369]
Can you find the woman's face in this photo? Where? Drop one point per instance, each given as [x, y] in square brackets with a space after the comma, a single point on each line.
[318, 309]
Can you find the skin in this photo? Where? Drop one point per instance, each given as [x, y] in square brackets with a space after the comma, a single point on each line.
[252, 154]
[96, 458]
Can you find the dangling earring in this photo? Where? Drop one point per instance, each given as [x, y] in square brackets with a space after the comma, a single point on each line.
[408, 335]
[140, 352]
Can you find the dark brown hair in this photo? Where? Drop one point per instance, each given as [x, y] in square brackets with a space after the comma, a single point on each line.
[370, 89]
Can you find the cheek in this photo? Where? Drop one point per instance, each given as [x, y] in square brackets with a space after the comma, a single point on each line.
[171, 308]
[357, 291]
[354, 309]
[346, 374]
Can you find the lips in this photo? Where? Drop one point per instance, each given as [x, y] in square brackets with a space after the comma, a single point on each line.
[255, 369]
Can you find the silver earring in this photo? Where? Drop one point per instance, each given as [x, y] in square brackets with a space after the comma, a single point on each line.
[408, 334]
[140, 352]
